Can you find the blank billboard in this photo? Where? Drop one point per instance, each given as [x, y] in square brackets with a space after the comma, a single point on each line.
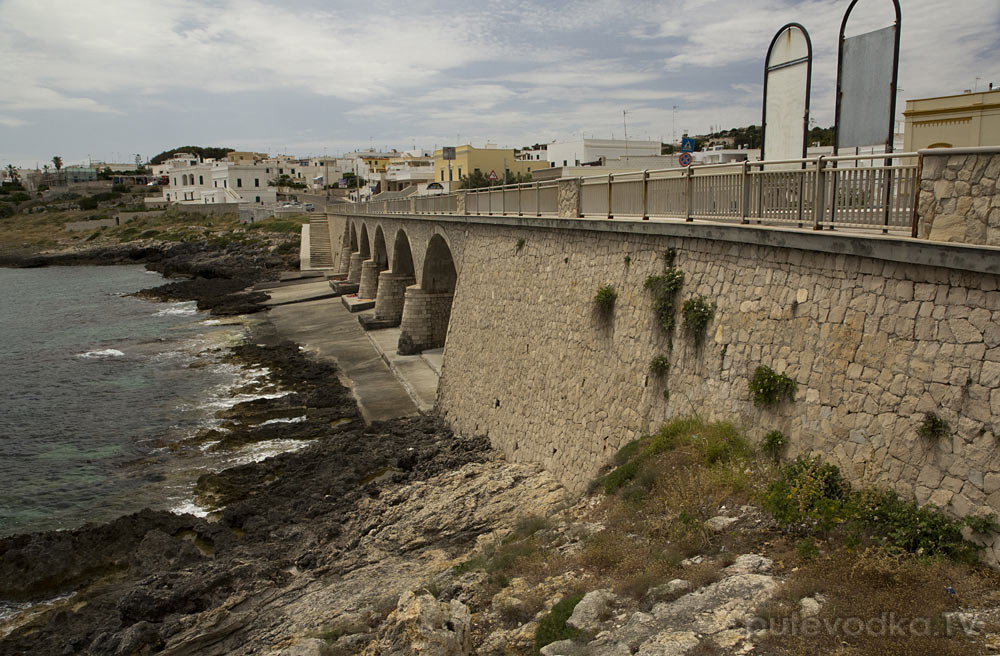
[786, 94]
[866, 79]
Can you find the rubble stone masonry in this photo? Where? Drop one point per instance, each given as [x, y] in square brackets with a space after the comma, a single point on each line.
[873, 344]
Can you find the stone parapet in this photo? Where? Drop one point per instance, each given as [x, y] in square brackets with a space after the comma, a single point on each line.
[960, 195]
[391, 296]
[570, 197]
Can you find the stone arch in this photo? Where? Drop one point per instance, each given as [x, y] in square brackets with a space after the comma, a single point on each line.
[379, 252]
[365, 245]
[427, 308]
[402, 256]
[439, 274]
[354, 238]
[373, 264]
[390, 297]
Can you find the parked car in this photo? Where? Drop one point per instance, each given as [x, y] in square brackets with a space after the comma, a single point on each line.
[309, 207]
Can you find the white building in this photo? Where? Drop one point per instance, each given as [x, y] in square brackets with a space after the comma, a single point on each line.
[589, 151]
[195, 182]
[409, 170]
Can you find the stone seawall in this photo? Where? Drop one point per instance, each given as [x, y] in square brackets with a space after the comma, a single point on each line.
[873, 344]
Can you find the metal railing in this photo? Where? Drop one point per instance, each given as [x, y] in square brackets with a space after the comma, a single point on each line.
[822, 192]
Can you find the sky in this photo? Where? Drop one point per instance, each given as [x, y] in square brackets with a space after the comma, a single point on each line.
[109, 79]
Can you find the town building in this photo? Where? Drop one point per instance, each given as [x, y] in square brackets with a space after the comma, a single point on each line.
[491, 161]
[591, 151]
[968, 119]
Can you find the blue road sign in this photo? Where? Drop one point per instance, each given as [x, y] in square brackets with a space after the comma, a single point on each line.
[687, 145]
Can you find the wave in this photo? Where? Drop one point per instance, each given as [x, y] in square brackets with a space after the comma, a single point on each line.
[182, 309]
[189, 508]
[285, 420]
[102, 353]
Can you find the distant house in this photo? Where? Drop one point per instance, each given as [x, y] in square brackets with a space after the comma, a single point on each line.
[968, 119]
[589, 151]
[491, 161]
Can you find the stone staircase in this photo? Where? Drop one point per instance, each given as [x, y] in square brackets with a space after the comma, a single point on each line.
[320, 248]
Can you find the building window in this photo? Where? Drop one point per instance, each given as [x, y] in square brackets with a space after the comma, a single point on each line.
[564, 162]
[267, 170]
[256, 199]
[215, 183]
[201, 179]
[239, 182]
[225, 183]
[442, 175]
[460, 173]
[175, 182]
[256, 182]
[280, 171]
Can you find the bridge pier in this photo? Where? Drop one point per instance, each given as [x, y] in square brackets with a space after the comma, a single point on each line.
[369, 279]
[354, 271]
[425, 318]
[391, 295]
[345, 261]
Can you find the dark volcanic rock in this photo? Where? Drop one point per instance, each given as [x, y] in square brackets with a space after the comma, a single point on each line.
[145, 578]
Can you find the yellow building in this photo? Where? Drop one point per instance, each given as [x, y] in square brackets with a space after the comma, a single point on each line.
[968, 119]
[491, 162]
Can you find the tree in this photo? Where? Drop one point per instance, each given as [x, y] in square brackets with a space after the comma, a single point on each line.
[12, 177]
[57, 162]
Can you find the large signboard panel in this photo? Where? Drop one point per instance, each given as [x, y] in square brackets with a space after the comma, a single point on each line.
[867, 76]
[786, 94]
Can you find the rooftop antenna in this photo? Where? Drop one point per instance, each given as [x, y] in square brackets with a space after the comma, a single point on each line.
[625, 124]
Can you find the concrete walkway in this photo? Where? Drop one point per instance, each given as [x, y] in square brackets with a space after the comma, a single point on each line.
[386, 385]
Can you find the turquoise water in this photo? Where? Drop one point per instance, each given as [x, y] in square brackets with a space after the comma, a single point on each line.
[94, 387]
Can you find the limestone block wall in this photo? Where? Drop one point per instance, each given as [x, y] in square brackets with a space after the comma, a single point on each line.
[873, 345]
[339, 246]
[960, 195]
[569, 196]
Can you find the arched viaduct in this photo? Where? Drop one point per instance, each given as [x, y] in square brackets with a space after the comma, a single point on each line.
[877, 332]
[409, 268]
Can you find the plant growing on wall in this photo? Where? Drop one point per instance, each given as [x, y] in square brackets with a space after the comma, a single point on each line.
[774, 443]
[933, 427]
[664, 289]
[659, 365]
[768, 387]
[698, 313]
[605, 299]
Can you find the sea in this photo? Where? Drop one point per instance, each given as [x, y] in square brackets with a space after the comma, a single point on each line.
[102, 395]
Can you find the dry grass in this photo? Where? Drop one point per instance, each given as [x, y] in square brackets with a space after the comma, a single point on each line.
[867, 591]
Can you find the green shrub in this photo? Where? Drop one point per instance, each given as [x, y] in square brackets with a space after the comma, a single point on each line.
[621, 475]
[6, 210]
[813, 496]
[120, 188]
[87, 203]
[933, 427]
[774, 443]
[519, 245]
[552, 627]
[605, 299]
[659, 365]
[982, 524]
[698, 313]
[770, 388]
[627, 452]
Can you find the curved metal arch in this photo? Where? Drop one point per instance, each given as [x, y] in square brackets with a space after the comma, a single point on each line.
[767, 69]
[895, 73]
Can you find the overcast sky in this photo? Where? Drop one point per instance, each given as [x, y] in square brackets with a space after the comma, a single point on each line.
[108, 79]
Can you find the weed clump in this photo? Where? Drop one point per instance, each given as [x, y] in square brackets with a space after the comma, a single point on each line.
[605, 299]
[812, 497]
[774, 444]
[659, 365]
[664, 289]
[553, 628]
[698, 313]
[933, 428]
[768, 387]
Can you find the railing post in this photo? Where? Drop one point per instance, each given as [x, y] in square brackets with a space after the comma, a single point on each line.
[745, 195]
[610, 177]
[819, 203]
[538, 199]
[489, 201]
[645, 194]
[519, 200]
[503, 200]
[688, 188]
